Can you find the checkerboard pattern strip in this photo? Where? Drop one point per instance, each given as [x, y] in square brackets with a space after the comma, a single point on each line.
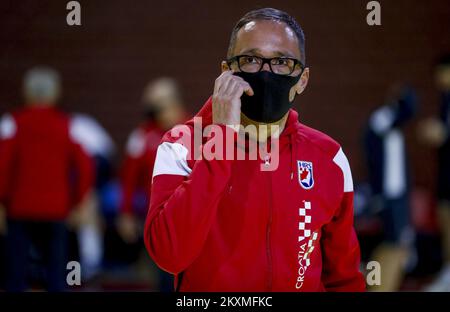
[305, 219]
[311, 244]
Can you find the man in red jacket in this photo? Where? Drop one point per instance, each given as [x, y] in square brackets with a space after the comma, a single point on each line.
[44, 173]
[163, 108]
[282, 221]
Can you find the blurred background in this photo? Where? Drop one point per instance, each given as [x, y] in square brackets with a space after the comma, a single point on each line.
[133, 70]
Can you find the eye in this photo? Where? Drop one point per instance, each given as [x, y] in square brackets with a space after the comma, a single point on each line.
[280, 62]
[250, 60]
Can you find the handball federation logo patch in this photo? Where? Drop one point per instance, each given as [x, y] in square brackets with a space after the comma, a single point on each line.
[305, 174]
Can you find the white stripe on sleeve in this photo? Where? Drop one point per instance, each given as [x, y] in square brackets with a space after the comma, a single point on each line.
[171, 158]
[341, 160]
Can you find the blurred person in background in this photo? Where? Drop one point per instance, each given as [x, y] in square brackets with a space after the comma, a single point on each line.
[436, 132]
[99, 145]
[45, 179]
[389, 179]
[163, 109]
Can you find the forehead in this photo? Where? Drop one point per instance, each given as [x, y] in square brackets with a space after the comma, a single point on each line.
[269, 38]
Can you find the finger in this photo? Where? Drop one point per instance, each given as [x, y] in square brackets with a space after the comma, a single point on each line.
[235, 89]
[247, 88]
[230, 89]
[221, 80]
[222, 89]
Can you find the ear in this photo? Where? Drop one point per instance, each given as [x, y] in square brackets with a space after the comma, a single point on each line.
[224, 66]
[300, 86]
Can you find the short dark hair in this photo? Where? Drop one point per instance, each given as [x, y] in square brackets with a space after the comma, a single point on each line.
[270, 14]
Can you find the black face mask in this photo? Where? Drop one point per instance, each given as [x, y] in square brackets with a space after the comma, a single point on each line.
[270, 101]
[151, 113]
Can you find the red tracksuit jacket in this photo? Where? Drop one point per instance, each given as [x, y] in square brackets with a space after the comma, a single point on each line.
[44, 172]
[225, 225]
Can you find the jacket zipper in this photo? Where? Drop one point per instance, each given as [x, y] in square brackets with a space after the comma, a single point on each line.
[268, 246]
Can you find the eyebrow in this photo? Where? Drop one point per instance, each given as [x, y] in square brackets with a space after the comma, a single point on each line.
[257, 52]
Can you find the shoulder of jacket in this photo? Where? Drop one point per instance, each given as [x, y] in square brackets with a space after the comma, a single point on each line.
[183, 134]
[331, 150]
[319, 140]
